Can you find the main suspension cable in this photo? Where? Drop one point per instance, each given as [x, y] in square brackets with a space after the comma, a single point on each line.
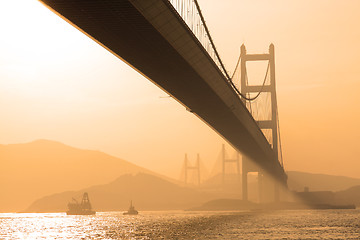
[279, 134]
[210, 38]
[262, 86]
[220, 61]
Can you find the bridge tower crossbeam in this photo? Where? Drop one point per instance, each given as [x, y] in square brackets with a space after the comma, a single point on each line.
[270, 124]
[228, 160]
[188, 168]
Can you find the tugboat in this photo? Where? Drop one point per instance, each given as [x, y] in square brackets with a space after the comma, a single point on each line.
[83, 208]
[132, 210]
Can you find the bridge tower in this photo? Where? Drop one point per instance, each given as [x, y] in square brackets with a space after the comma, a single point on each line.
[271, 124]
[228, 160]
[188, 168]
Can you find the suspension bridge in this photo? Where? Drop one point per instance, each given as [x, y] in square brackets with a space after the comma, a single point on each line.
[168, 42]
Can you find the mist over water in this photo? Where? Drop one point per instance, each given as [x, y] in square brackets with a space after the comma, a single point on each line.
[290, 224]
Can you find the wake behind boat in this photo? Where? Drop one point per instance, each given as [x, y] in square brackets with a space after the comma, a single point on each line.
[132, 210]
[83, 208]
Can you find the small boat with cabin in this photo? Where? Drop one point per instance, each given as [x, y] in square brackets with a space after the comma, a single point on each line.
[132, 210]
[83, 208]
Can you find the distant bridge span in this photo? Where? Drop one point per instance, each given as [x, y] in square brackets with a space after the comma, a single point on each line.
[150, 36]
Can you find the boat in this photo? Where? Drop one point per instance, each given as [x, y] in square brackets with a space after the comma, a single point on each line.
[83, 208]
[132, 210]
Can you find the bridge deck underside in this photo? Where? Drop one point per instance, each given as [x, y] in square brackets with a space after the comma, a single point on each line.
[126, 31]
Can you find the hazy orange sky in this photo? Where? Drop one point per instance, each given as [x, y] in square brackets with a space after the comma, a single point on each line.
[56, 83]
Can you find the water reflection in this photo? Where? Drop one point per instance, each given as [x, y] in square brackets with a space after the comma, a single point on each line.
[338, 224]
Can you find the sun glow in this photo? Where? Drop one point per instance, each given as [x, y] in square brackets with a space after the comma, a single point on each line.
[25, 24]
[30, 45]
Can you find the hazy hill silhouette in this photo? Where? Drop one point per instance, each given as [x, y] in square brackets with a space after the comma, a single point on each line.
[230, 179]
[349, 196]
[148, 192]
[319, 182]
[232, 186]
[32, 170]
[225, 205]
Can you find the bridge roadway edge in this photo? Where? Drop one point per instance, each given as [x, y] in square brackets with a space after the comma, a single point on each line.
[124, 28]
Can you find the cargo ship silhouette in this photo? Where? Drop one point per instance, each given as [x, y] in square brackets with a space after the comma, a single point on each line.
[83, 208]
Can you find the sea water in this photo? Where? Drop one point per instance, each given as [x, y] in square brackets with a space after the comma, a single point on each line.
[286, 224]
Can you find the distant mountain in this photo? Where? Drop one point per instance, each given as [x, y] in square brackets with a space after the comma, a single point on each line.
[319, 182]
[32, 170]
[147, 192]
[225, 205]
[229, 179]
[231, 186]
[296, 182]
[349, 196]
